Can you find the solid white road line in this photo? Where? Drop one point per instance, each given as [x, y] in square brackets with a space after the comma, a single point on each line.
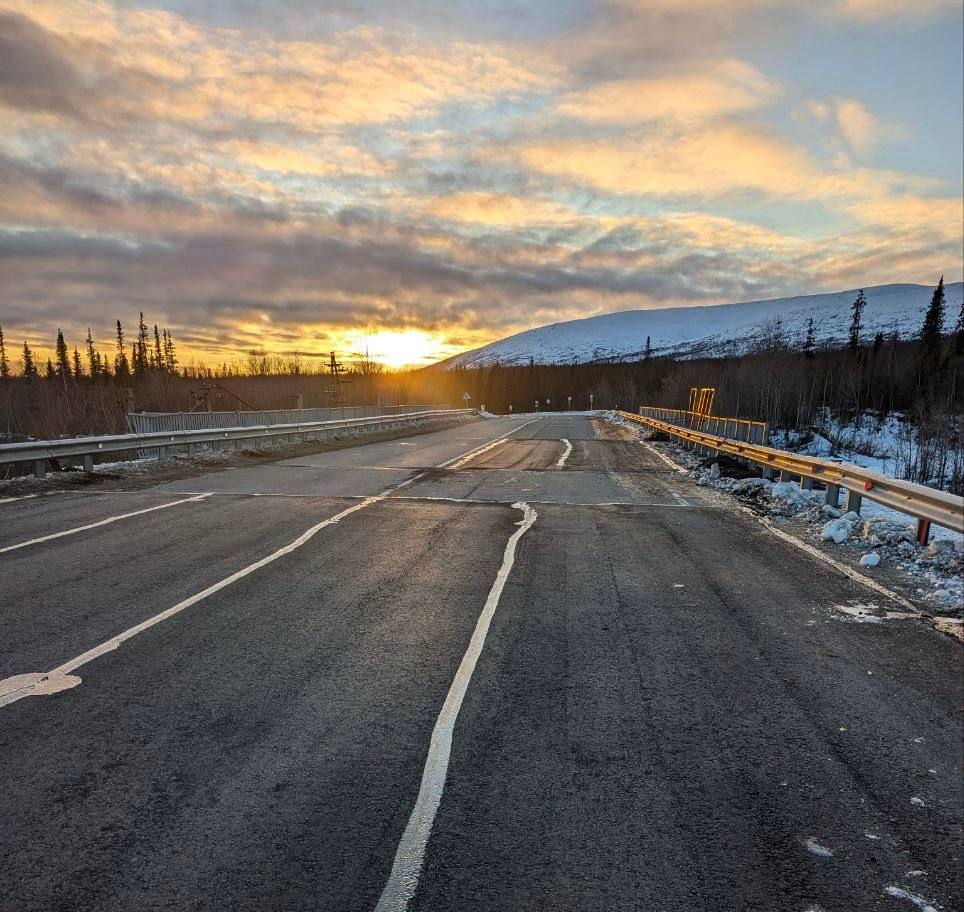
[673, 465]
[60, 678]
[102, 522]
[407, 866]
[849, 572]
[565, 453]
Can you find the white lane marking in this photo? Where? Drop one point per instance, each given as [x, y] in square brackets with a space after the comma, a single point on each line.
[14, 688]
[917, 900]
[60, 678]
[673, 465]
[102, 522]
[410, 854]
[827, 559]
[4, 500]
[457, 462]
[479, 452]
[565, 453]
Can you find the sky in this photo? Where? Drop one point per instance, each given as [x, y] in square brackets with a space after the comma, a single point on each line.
[425, 177]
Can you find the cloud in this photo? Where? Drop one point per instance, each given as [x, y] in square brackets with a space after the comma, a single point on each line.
[723, 88]
[858, 127]
[875, 10]
[277, 184]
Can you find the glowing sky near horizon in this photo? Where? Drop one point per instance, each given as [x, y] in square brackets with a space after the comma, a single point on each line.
[430, 176]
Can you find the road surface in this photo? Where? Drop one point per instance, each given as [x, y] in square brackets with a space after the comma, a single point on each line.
[354, 681]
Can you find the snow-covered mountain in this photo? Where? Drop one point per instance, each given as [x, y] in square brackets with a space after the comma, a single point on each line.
[725, 329]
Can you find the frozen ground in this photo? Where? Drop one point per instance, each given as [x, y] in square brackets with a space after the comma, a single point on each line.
[879, 543]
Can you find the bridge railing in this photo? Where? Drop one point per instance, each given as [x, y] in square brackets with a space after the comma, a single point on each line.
[40, 452]
[733, 428]
[926, 505]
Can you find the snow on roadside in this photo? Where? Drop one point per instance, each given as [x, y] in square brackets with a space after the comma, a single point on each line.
[935, 571]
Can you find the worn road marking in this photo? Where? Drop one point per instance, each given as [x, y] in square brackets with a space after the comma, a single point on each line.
[4, 500]
[673, 465]
[410, 854]
[456, 462]
[102, 522]
[827, 559]
[60, 678]
[565, 453]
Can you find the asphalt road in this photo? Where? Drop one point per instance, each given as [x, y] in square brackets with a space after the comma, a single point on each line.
[651, 703]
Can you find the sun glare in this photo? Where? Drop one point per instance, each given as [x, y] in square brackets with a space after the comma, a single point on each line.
[399, 348]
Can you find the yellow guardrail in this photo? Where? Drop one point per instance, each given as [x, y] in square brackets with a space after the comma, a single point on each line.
[738, 428]
[927, 505]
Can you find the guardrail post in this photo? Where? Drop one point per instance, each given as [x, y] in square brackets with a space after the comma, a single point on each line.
[785, 475]
[88, 463]
[832, 495]
[768, 472]
[852, 504]
[923, 531]
[40, 468]
[806, 484]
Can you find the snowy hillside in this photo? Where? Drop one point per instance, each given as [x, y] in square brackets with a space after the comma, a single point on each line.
[726, 329]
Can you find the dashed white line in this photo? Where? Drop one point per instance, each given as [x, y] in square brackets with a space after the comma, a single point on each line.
[102, 522]
[565, 453]
[407, 865]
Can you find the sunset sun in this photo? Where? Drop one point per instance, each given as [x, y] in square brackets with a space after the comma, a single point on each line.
[398, 348]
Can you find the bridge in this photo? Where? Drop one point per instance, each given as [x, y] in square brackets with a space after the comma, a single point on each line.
[519, 663]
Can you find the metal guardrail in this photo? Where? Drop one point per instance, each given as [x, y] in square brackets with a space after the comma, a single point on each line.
[927, 505]
[735, 428]
[149, 422]
[38, 452]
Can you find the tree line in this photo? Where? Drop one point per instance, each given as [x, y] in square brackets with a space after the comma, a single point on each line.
[788, 384]
[149, 354]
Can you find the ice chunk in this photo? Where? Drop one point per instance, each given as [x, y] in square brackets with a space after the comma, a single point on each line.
[870, 560]
[837, 531]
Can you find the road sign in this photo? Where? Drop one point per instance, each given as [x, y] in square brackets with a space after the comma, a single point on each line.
[466, 397]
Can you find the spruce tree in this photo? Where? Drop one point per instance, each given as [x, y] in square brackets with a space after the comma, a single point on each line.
[857, 312]
[959, 332]
[122, 369]
[170, 359]
[78, 369]
[29, 367]
[4, 365]
[63, 358]
[93, 359]
[930, 333]
[158, 356]
[50, 373]
[648, 351]
[139, 352]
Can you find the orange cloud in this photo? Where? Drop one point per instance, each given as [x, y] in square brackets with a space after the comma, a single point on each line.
[724, 88]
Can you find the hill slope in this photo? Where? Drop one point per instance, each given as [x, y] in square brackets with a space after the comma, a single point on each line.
[726, 329]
